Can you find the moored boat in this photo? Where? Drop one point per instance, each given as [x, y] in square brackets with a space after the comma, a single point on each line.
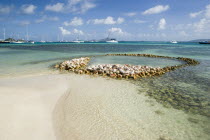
[4, 42]
[174, 42]
[204, 42]
[112, 40]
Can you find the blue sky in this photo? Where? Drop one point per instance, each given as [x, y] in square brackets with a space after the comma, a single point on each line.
[156, 20]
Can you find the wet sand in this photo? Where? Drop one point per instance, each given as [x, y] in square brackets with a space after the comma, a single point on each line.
[69, 106]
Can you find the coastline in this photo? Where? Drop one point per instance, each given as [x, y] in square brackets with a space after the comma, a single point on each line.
[39, 103]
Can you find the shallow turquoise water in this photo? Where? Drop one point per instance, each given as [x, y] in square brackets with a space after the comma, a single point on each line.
[185, 83]
[153, 62]
[36, 58]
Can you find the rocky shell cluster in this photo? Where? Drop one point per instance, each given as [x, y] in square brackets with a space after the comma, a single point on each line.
[80, 66]
[75, 65]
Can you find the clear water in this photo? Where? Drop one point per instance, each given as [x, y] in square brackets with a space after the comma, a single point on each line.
[157, 62]
[193, 81]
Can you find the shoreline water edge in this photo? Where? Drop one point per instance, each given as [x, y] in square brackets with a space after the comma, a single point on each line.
[86, 101]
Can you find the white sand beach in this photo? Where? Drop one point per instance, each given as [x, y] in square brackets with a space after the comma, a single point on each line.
[69, 106]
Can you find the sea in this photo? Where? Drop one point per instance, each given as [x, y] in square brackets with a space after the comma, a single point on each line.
[186, 90]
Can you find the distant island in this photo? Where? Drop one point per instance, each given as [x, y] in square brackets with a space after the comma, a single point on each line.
[199, 40]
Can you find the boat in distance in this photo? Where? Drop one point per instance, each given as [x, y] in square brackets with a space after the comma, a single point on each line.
[112, 40]
[4, 42]
[78, 41]
[204, 42]
[174, 42]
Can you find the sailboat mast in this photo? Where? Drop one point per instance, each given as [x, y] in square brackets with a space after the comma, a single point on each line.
[27, 38]
[4, 33]
[109, 34]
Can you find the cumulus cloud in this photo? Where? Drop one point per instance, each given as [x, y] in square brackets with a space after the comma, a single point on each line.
[79, 32]
[5, 9]
[116, 30]
[25, 22]
[156, 10]
[202, 26]
[64, 31]
[45, 18]
[28, 8]
[130, 14]
[207, 12]
[162, 24]
[76, 21]
[109, 20]
[73, 6]
[195, 14]
[58, 7]
[86, 6]
[120, 20]
[119, 33]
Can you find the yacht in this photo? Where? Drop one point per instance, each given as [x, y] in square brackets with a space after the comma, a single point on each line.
[4, 42]
[78, 41]
[111, 40]
[204, 42]
[174, 42]
[42, 41]
[31, 41]
[18, 41]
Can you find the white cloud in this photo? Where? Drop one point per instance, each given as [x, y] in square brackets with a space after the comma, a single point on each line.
[79, 32]
[53, 18]
[74, 22]
[23, 23]
[44, 18]
[72, 6]
[116, 30]
[119, 33]
[202, 26]
[130, 14]
[156, 10]
[109, 20]
[64, 31]
[58, 7]
[86, 6]
[195, 14]
[5, 9]
[183, 33]
[28, 8]
[139, 21]
[162, 24]
[207, 12]
[120, 20]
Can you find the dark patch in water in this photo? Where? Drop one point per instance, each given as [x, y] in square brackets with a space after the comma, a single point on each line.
[182, 89]
[164, 138]
[158, 112]
[193, 120]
